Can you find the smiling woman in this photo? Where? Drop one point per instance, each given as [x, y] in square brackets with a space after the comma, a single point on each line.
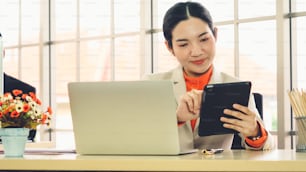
[190, 37]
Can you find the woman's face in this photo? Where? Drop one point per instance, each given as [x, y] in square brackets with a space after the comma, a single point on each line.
[193, 45]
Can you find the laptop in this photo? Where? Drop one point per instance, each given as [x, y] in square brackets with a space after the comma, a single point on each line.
[124, 118]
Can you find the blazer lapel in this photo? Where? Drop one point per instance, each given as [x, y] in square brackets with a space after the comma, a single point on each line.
[215, 77]
[179, 87]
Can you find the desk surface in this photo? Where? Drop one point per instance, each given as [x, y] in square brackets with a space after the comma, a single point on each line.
[231, 160]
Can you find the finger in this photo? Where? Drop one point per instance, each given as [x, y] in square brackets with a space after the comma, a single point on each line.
[233, 127]
[199, 92]
[189, 101]
[244, 130]
[232, 121]
[241, 108]
[234, 113]
[197, 99]
[194, 101]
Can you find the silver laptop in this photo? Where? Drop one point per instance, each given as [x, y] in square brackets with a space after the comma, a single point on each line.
[124, 118]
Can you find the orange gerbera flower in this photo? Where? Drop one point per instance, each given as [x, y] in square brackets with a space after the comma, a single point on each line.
[38, 101]
[44, 118]
[14, 114]
[26, 108]
[17, 92]
[49, 110]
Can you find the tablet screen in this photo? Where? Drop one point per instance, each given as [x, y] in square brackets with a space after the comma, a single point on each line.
[216, 98]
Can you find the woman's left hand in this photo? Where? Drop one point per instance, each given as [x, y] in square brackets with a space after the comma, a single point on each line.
[246, 124]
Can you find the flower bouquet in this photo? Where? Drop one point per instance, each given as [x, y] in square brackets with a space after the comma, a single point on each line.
[20, 113]
[18, 110]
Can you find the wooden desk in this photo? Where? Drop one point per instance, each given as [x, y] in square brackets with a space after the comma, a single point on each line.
[236, 160]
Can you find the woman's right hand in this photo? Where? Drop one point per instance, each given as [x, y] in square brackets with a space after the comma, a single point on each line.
[189, 105]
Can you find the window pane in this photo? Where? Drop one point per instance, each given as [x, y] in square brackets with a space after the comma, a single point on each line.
[257, 63]
[30, 66]
[65, 72]
[65, 68]
[164, 60]
[298, 5]
[258, 8]
[95, 61]
[11, 61]
[30, 21]
[127, 58]
[301, 54]
[65, 19]
[220, 10]
[9, 17]
[94, 17]
[127, 15]
[224, 59]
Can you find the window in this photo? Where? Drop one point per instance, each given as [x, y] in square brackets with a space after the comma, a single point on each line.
[300, 51]
[9, 14]
[225, 55]
[97, 21]
[257, 62]
[298, 5]
[258, 8]
[93, 41]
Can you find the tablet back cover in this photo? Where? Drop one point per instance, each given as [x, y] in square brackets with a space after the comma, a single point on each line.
[216, 98]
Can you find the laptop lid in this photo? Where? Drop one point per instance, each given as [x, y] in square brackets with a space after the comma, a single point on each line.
[124, 117]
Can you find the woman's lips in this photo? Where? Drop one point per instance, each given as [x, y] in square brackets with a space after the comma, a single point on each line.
[198, 62]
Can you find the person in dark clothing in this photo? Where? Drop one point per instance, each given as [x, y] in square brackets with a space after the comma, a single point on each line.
[11, 83]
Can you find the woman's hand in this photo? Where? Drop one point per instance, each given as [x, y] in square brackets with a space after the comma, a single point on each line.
[189, 105]
[246, 123]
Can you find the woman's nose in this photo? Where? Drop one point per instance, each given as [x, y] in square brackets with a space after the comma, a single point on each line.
[196, 50]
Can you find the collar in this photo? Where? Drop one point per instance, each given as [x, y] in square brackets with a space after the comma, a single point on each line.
[198, 82]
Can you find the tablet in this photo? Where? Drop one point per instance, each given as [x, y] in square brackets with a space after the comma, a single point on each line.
[216, 98]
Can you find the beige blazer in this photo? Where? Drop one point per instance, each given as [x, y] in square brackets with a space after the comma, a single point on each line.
[191, 140]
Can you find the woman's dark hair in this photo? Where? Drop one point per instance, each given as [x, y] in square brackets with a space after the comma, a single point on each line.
[182, 11]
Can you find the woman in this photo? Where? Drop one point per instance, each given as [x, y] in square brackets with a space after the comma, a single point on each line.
[191, 38]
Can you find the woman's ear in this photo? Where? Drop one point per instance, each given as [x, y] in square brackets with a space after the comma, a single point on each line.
[216, 33]
[170, 49]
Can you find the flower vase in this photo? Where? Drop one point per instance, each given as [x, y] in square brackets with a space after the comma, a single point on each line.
[14, 141]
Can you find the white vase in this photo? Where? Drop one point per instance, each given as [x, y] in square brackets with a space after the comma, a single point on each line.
[13, 141]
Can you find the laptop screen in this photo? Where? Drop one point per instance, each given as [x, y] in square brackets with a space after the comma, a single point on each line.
[124, 117]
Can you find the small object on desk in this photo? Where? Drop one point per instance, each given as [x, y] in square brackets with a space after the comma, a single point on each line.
[211, 151]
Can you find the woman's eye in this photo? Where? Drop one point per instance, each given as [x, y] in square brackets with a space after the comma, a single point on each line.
[183, 45]
[204, 39]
